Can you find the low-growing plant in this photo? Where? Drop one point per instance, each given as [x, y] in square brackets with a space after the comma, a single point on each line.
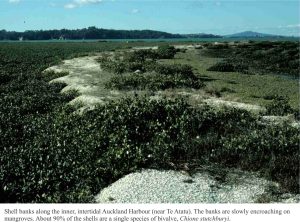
[242, 68]
[111, 65]
[119, 66]
[279, 106]
[261, 57]
[213, 91]
[222, 67]
[152, 81]
[227, 66]
[141, 55]
[218, 46]
[73, 156]
[175, 69]
[226, 89]
[166, 52]
[146, 73]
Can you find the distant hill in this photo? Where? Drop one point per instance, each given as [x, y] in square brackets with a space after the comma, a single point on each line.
[250, 34]
[86, 33]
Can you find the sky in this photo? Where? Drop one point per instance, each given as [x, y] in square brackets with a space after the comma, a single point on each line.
[174, 16]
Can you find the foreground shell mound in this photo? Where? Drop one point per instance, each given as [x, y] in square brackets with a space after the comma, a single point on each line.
[168, 186]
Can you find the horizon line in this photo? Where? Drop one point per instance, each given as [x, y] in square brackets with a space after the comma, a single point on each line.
[207, 33]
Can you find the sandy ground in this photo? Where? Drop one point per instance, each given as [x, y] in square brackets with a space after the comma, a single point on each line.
[238, 105]
[169, 186]
[86, 76]
[176, 46]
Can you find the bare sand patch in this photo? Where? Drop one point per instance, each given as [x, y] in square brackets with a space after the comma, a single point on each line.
[87, 77]
[220, 102]
[169, 186]
[193, 46]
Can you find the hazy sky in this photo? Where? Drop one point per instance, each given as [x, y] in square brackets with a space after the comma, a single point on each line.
[175, 16]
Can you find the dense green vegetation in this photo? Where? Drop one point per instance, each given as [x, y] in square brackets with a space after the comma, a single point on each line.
[142, 71]
[49, 153]
[27, 102]
[153, 82]
[222, 67]
[280, 106]
[260, 57]
[141, 60]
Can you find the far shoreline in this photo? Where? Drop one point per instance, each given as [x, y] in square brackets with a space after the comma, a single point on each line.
[224, 39]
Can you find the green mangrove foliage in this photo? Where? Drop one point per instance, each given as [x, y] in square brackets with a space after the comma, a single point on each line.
[27, 102]
[280, 106]
[166, 52]
[222, 67]
[71, 157]
[140, 70]
[152, 81]
[142, 60]
[260, 57]
[226, 66]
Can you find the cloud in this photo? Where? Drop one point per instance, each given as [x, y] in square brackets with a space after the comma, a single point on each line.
[134, 11]
[79, 3]
[86, 2]
[293, 26]
[14, 1]
[289, 26]
[70, 6]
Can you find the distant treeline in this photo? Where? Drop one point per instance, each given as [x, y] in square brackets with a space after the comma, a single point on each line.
[93, 33]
